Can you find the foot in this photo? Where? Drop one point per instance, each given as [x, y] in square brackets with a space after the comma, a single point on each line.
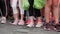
[3, 20]
[47, 27]
[30, 23]
[15, 22]
[57, 28]
[21, 22]
[39, 24]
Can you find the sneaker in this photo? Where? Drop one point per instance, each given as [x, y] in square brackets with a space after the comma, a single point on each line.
[39, 23]
[57, 28]
[3, 20]
[15, 22]
[21, 22]
[30, 24]
[47, 26]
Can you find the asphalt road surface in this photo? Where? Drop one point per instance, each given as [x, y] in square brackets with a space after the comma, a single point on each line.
[14, 29]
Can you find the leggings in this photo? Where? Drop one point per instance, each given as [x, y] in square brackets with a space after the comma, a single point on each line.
[14, 6]
[33, 11]
[3, 8]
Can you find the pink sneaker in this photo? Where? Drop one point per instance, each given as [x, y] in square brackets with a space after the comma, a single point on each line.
[30, 23]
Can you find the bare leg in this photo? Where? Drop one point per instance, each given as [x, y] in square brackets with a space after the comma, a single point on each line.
[15, 11]
[21, 21]
[59, 8]
[47, 10]
[47, 14]
[56, 11]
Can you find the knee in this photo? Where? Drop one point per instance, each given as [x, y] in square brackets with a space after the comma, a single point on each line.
[48, 4]
[55, 4]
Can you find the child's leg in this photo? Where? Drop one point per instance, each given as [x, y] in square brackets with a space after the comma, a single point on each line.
[47, 14]
[47, 10]
[15, 11]
[59, 8]
[30, 21]
[3, 11]
[3, 8]
[56, 11]
[38, 16]
[56, 14]
[21, 21]
[21, 9]
[31, 8]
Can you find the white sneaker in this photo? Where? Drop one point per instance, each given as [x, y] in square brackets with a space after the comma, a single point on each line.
[21, 22]
[3, 20]
[30, 25]
[39, 24]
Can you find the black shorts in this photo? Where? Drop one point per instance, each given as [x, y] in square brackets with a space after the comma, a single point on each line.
[33, 11]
